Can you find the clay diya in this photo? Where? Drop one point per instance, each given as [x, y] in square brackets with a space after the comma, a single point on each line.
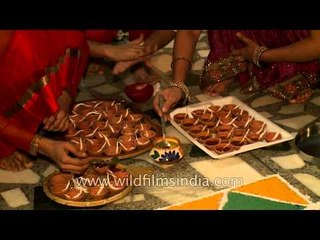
[211, 143]
[179, 117]
[98, 192]
[237, 142]
[187, 123]
[272, 136]
[75, 194]
[198, 112]
[223, 147]
[60, 179]
[60, 189]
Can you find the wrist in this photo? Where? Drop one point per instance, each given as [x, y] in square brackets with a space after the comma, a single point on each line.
[184, 89]
[35, 145]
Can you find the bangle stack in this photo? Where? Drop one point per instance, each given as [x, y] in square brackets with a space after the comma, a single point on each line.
[34, 146]
[257, 54]
[179, 59]
[184, 89]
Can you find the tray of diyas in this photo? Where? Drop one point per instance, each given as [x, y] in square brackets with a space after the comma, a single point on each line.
[99, 185]
[226, 126]
[110, 128]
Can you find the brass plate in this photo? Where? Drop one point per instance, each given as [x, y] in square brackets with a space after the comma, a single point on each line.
[85, 204]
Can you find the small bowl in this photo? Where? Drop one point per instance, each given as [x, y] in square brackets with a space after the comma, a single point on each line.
[166, 156]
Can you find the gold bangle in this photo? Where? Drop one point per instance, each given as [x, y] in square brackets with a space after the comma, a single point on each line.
[257, 54]
[179, 59]
[34, 146]
[184, 89]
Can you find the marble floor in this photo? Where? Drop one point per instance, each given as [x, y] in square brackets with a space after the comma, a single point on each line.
[19, 190]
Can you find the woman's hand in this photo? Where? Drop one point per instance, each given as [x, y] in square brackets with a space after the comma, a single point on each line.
[172, 96]
[130, 51]
[59, 121]
[58, 151]
[246, 52]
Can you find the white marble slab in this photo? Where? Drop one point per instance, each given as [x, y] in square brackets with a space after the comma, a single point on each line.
[202, 45]
[309, 181]
[170, 44]
[236, 93]
[174, 195]
[204, 53]
[225, 173]
[26, 176]
[83, 95]
[264, 101]
[15, 198]
[266, 114]
[316, 100]
[296, 122]
[50, 169]
[292, 108]
[130, 199]
[162, 62]
[93, 80]
[198, 65]
[292, 161]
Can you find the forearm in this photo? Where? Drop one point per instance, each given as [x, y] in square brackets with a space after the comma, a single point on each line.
[97, 49]
[184, 47]
[160, 38]
[15, 136]
[305, 50]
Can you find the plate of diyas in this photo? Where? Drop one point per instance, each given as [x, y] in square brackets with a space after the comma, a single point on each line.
[99, 185]
[226, 126]
[110, 128]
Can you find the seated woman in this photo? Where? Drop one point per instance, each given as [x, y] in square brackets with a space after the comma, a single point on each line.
[283, 63]
[135, 53]
[40, 71]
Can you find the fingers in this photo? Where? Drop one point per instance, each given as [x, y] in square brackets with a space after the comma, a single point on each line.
[49, 122]
[244, 39]
[73, 168]
[73, 149]
[138, 41]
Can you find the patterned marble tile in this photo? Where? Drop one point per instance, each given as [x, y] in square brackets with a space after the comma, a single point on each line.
[174, 195]
[50, 169]
[227, 172]
[170, 44]
[93, 81]
[26, 176]
[202, 45]
[15, 197]
[293, 161]
[130, 199]
[290, 109]
[266, 114]
[205, 97]
[83, 95]
[162, 62]
[309, 181]
[316, 100]
[236, 93]
[198, 65]
[204, 53]
[296, 122]
[128, 79]
[107, 89]
[264, 101]
[172, 131]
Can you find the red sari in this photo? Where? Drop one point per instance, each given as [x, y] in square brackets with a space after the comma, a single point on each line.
[35, 68]
[273, 77]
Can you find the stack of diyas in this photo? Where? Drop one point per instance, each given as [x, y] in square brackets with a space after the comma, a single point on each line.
[99, 185]
[109, 128]
[224, 128]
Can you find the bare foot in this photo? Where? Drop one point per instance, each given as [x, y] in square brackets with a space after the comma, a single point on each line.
[15, 162]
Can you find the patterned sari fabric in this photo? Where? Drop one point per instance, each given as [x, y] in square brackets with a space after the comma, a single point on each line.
[35, 68]
[283, 80]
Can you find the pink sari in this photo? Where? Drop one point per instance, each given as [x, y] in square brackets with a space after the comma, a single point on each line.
[272, 78]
